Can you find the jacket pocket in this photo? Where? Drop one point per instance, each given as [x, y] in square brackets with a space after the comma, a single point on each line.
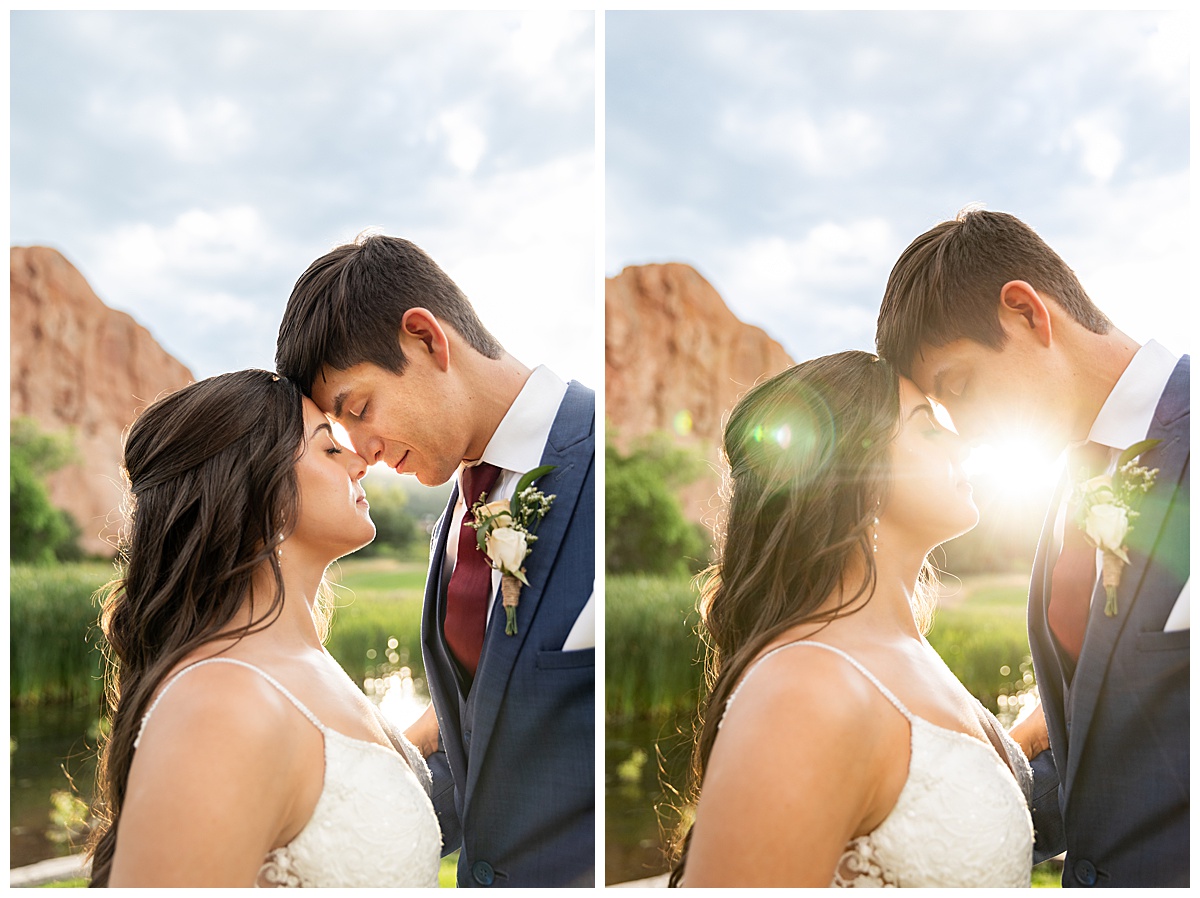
[1164, 642]
[566, 660]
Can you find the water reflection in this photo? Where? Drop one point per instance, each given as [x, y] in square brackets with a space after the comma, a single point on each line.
[401, 698]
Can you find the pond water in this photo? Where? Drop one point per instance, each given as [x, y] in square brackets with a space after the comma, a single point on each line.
[45, 739]
[645, 761]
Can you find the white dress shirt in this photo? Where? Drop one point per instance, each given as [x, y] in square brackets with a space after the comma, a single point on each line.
[1125, 419]
[515, 448]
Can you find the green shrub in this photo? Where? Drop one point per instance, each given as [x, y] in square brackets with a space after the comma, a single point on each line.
[39, 532]
[397, 532]
[55, 639]
[644, 527]
[655, 658]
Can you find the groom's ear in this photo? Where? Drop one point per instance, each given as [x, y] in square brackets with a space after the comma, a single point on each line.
[1022, 310]
[421, 332]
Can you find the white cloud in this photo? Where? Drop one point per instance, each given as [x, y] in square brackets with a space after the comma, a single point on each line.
[1100, 148]
[1131, 249]
[829, 256]
[521, 245]
[207, 129]
[841, 143]
[541, 51]
[465, 140]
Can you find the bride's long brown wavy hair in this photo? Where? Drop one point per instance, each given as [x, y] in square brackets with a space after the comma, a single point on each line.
[211, 489]
[808, 468]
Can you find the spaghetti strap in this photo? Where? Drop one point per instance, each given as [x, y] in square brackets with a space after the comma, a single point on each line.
[887, 693]
[266, 676]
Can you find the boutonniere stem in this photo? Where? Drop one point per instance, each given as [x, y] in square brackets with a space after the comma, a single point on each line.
[1107, 507]
[506, 532]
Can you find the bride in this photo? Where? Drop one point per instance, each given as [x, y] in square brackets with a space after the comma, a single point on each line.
[837, 746]
[240, 752]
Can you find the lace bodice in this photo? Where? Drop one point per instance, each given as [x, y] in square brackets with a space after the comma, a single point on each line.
[961, 818]
[373, 824]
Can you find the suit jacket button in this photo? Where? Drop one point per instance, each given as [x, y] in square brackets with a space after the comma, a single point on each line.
[482, 873]
[1085, 872]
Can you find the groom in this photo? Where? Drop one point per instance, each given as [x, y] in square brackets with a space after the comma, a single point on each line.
[386, 344]
[989, 321]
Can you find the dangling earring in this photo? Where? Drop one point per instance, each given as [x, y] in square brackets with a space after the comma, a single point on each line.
[279, 547]
[875, 530]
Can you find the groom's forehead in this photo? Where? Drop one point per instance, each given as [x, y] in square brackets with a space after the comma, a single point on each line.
[931, 365]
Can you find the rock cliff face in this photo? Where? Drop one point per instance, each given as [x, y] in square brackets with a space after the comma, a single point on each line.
[78, 365]
[677, 360]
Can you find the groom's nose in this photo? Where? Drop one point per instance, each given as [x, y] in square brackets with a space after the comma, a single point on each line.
[369, 447]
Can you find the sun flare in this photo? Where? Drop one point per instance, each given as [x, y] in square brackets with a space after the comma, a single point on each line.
[1018, 466]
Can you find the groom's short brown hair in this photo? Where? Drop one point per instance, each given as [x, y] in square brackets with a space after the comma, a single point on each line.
[946, 285]
[347, 308]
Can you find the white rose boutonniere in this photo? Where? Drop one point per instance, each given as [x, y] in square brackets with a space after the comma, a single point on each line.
[1107, 508]
[506, 532]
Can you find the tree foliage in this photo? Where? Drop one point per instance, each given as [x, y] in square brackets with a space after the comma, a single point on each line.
[644, 527]
[39, 532]
[396, 528]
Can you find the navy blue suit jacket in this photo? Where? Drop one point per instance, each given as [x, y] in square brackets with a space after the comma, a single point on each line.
[514, 779]
[1113, 789]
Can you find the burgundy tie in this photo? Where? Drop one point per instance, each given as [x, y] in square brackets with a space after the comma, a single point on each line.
[1074, 577]
[470, 589]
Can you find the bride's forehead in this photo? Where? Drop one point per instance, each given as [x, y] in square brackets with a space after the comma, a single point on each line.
[312, 415]
[910, 394]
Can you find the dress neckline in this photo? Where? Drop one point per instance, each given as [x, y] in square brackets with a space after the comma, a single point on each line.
[989, 746]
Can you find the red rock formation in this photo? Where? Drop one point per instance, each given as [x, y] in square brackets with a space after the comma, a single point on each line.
[677, 360]
[77, 364]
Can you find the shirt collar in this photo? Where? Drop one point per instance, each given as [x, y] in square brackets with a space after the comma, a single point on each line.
[520, 439]
[1128, 411]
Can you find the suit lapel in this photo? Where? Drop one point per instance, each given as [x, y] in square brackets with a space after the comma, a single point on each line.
[1047, 661]
[571, 449]
[1170, 457]
[440, 666]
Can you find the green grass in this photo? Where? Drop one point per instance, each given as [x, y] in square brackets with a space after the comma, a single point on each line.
[1047, 875]
[984, 639]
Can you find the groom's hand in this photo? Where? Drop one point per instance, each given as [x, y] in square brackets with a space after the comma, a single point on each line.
[423, 732]
[1031, 733]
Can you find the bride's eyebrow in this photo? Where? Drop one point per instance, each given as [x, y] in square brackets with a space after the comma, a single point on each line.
[316, 430]
[923, 407]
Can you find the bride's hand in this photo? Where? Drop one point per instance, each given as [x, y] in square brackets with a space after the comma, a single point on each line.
[423, 732]
[1031, 733]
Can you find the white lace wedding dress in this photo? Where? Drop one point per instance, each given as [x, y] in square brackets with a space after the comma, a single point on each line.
[961, 819]
[373, 824]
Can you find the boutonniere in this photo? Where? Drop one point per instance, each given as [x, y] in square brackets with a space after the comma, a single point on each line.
[1107, 508]
[506, 532]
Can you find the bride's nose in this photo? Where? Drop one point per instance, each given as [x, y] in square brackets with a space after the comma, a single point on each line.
[356, 465]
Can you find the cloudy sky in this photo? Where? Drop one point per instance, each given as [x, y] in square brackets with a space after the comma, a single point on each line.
[791, 156]
[192, 165]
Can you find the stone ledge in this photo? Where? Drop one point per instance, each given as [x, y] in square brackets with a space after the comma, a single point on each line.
[42, 873]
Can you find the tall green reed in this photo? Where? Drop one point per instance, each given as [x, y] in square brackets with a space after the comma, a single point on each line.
[55, 639]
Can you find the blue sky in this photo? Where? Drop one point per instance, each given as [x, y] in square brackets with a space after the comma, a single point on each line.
[791, 156]
[192, 164]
